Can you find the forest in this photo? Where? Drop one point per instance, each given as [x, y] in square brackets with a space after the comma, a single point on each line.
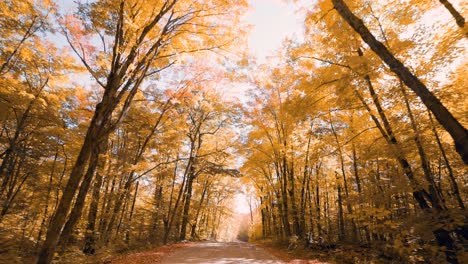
[127, 124]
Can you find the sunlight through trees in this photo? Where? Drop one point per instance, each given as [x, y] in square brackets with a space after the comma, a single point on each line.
[130, 124]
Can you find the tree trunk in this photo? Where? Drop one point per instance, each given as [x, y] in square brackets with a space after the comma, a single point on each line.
[326, 211]
[345, 182]
[120, 200]
[292, 195]
[120, 219]
[357, 179]
[107, 204]
[263, 217]
[453, 182]
[158, 196]
[14, 186]
[276, 228]
[305, 186]
[284, 202]
[172, 212]
[90, 234]
[317, 200]
[188, 199]
[311, 230]
[46, 207]
[130, 217]
[436, 198]
[445, 118]
[457, 16]
[341, 225]
[77, 209]
[194, 226]
[100, 119]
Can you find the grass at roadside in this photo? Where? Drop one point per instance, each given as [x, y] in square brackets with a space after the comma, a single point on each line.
[296, 256]
[340, 255]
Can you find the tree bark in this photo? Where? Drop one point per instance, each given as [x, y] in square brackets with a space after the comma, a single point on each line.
[453, 182]
[317, 199]
[168, 223]
[456, 15]
[100, 119]
[130, 217]
[345, 182]
[188, 199]
[305, 187]
[158, 196]
[46, 207]
[121, 199]
[284, 202]
[436, 198]
[90, 234]
[341, 224]
[292, 195]
[75, 215]
[194, 226]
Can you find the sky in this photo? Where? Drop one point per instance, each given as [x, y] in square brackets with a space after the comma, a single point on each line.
[272, 21]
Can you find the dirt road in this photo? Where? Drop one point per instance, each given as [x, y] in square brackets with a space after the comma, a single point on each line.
[220, 253]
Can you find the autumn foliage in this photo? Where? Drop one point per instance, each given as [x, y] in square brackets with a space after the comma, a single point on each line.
[120, 131]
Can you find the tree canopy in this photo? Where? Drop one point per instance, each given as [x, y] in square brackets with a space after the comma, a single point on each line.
[119, 128]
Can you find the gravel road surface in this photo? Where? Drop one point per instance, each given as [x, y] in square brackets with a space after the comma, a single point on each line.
[220, 253]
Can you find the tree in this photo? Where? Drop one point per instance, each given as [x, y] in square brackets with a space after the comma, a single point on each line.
[138, 41]
[30, 78]
[445, 118]
[340, 86]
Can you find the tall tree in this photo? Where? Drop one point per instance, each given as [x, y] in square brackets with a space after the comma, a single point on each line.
[138, 41]
[445, 118]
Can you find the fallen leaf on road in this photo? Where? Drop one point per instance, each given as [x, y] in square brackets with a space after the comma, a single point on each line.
[148, 257]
